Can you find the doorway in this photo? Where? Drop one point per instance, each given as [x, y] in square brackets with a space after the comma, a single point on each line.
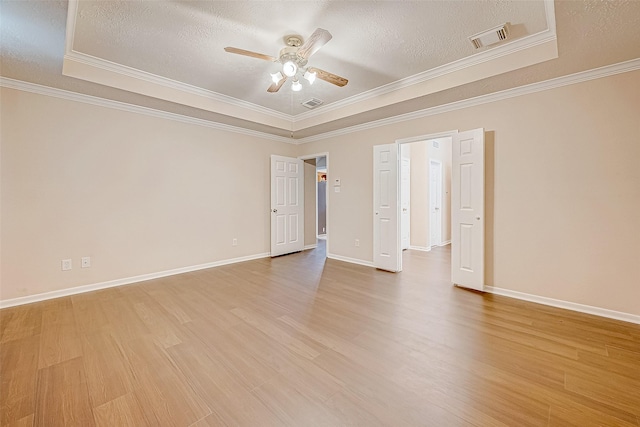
[425, 193]
[316, 201]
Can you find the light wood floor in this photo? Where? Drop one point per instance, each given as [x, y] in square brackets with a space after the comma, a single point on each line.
[302, 342]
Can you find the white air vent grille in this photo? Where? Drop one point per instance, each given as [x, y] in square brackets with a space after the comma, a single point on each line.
[489, 37]
[312, 103]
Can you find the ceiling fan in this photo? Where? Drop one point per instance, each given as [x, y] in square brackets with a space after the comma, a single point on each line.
[294, 58]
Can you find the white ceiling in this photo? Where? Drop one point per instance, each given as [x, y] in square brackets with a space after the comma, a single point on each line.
[399, 56]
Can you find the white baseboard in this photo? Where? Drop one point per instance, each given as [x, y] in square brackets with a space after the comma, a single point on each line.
[419, 248]
[350, 260]
[445, 243]
[597, 311]
[315, 245]
[125, 281]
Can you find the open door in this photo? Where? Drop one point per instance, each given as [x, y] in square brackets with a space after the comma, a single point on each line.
[287, 205]
[386, 250]
[467, 210]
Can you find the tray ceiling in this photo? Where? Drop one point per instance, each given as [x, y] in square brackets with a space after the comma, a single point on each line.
[398, 56]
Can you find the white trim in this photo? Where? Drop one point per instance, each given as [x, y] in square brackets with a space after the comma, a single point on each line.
[307, 247]
[583, 76]
[125, 281]
[419, 248]
[113, 67]
[567, 305]
[350, 260]
[117, 105]
[445, 243]
[478, 58]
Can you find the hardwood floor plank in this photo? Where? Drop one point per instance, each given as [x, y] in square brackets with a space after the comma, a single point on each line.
[59, 339]
[123, 411]
[304, 340]
[293, 407]
[22, 422]
[20, 322]
[276, 333]
[231, 353]
[578, 415]
[107, 369]
[62, 397]
[18, 373]
[607, 389]
[88, 313]
[160, 387]
[228, 399]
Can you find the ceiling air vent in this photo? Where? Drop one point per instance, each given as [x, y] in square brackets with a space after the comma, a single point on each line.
[312, 103]
[489, 37]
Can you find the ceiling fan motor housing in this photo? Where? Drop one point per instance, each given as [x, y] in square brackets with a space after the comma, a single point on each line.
[290, 53]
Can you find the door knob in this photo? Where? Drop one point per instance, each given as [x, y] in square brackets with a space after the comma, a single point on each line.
[274, 210]
[376, 213]
[478, 218]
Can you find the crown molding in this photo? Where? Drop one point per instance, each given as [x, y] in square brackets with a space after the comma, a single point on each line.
[102, 64]
[135, 73]
[606, 71]
[596, 73]
[481, 57]
[122, 106]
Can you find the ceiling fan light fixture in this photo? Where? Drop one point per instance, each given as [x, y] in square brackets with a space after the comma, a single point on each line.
[310, 76]
[276, 77]
[289, 68]
[296, 86]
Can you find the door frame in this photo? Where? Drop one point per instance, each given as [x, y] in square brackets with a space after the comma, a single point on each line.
[399, 142]
[313, 156]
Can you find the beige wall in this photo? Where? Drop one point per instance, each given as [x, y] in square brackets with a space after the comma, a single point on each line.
[310, 183]
[562, 189]
[419, 195]
[443, 154]
[421, 154]
[141, 194]
[138, 194]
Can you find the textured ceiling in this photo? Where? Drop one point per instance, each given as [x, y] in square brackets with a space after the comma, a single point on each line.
[374, 43]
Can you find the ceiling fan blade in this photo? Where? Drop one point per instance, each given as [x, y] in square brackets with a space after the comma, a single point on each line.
[315, 41]
[329, 77]
[276, 86]
[250, 53]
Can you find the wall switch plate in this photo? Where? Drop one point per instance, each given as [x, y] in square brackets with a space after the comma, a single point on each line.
[336, 189]
[85, 262]
[66, 264]
[234, 242]
[357, 243]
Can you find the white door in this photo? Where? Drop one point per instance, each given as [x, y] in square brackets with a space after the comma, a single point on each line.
[386, 250]
[405, 204]
[287, 205]
[467, 209]
[435, 202]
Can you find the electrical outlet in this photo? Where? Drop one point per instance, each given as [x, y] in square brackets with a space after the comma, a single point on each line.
[357, 243]
[66, 264]
[85, 262]
[234, 242]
